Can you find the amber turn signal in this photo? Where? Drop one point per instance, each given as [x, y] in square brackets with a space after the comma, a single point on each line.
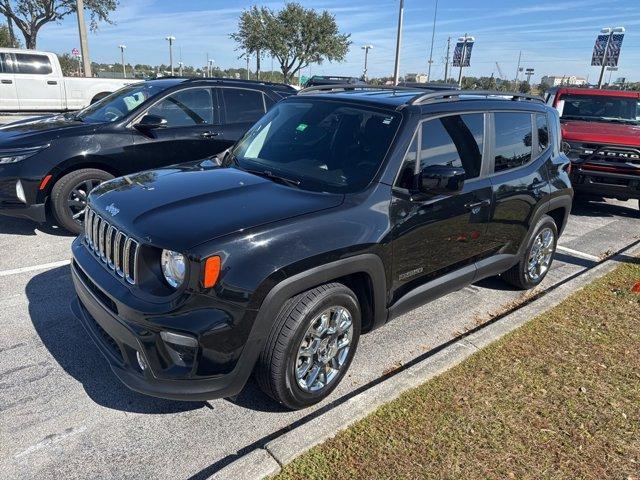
[211, 271]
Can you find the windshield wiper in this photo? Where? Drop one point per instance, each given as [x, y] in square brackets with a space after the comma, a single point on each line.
[272, 176]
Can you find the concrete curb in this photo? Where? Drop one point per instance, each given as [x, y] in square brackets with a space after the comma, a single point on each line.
[268, 460]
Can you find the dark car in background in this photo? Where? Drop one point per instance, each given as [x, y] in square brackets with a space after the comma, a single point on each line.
[601, 133]
[321, 80]
[51, 163]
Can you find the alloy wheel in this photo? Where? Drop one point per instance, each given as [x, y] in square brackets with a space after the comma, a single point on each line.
[77, 199]
[324, 349]
[540, 255]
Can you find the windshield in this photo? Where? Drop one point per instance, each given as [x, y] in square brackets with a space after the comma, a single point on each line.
[600, 108]
[319, 145]
[120, 103]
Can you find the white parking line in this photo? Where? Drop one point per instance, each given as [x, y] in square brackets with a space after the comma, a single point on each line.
[44, 266]
[577, 253]
[51, 440]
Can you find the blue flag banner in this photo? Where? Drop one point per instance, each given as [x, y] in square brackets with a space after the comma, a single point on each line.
[598, 50]
[613, 50]
[458, 60]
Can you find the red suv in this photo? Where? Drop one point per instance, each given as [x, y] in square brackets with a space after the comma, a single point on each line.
[601, 134]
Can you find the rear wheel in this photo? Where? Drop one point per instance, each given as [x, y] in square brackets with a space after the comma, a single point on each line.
[311, 346]
[69, 196]
[537, 258]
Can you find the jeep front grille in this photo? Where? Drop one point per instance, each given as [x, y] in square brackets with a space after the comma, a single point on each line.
[111, 246]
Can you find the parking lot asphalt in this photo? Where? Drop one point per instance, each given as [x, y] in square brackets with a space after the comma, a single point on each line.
[64, 414]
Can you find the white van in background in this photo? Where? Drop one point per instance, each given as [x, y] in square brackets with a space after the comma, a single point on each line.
[33, 81]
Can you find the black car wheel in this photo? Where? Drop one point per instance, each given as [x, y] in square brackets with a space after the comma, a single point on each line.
[69, 196]
[311, 346]
[537, 258]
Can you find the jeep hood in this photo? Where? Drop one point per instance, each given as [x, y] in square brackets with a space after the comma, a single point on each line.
[182, 206]
[601, 133]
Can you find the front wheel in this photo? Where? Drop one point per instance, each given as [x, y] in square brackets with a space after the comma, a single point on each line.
[69, 196]
[537, 258]
[311, 346]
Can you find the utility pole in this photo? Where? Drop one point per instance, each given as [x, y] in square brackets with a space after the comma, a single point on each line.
[529, 72]
[84, 42]
[180, 65]
[366, 49]
[124, 69]
[518, 70]
[433, 34]
[170, 39]
[446, 65]
[247, 65]
[396, 68]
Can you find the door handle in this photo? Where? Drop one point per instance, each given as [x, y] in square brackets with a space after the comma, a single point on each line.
[8, 82]
[476, 206]
[209, 134]
[51, 82]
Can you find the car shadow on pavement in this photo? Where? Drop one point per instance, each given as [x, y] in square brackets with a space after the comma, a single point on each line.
[49, 295]
[583, 207]
[19, 226]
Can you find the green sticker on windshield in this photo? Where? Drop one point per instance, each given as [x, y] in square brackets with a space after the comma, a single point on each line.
[302, 127]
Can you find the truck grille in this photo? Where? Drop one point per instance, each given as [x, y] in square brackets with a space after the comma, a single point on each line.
[112, 246]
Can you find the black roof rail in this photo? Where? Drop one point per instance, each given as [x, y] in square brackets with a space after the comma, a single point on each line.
[223, 79]
[447, 94]
[353, 86]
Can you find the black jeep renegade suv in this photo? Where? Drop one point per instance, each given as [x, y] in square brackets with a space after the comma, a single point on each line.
[336, 212]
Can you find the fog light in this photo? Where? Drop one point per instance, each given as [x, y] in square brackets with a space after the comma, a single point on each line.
[141, 361]
[20, 192]
[181, 348]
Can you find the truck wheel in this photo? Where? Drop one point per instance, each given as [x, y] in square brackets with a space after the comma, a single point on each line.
[69, 196]
[310, 346]
[537, 258]
[98, 97]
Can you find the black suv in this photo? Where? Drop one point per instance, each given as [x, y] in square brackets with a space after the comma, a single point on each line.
[336, 212]
[56, 160]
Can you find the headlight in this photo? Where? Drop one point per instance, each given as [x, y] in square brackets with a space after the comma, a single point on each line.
[19, 154]
[173, 267]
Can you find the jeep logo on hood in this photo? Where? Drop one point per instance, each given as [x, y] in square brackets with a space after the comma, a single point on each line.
[112, 209]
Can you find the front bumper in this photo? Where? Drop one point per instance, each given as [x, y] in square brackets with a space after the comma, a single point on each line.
[121, 340]
[605, 184]
[12, 206]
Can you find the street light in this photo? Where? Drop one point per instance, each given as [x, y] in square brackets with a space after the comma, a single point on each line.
[124, 70]
[180, 65]
[210, 66]
[396, 68]
[433, 34]
[609, 32]
[170, 39]
[366, 49]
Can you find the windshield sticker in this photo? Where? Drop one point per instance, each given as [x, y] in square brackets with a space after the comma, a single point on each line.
[302, 127]
[387, 120]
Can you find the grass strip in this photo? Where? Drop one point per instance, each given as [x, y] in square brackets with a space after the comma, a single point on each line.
[558, 398]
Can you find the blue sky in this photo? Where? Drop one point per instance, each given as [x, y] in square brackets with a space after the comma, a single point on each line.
[556, 37]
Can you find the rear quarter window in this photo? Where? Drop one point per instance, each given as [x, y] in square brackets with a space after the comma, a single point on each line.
[513, 140]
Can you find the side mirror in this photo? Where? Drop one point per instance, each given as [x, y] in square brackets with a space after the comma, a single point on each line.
[435, 180]
[150, 122]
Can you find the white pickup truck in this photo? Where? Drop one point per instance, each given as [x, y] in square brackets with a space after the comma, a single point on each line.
[33, 81]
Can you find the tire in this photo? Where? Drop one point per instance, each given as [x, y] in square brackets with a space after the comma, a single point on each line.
[300, 320]
[99, 96]
[69, 194]
[518, 276]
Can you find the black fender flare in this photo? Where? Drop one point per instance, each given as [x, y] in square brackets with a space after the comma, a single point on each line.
[368, 263]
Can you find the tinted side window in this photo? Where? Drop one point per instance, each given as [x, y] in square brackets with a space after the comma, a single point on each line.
[543, 132]
[455, 141]
[4, 66]
[38, 64]
[187, 108]
[242, 106]
[513, 140]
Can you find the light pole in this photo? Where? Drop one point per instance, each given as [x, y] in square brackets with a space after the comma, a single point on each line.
[528, 73]
[366, 49]
[465, 40]
[609, 32]
[84, 43]
[170, 39]
[433, 34]
[210, 66]
[180, 65]
[611, 70]
[446, 60]
[124, 69]
[396, 68]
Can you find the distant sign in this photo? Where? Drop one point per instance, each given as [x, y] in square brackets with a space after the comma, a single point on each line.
[303, 79]
[612, 50]
[462, 54]
[75, 52]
